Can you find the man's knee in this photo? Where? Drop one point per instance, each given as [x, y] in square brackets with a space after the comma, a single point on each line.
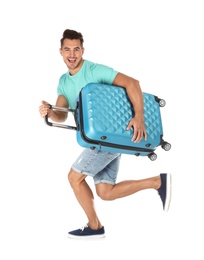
[70, 176]
[103, 190]
[75, 178]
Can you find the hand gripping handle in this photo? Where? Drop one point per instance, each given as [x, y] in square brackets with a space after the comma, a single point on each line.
[60, 125]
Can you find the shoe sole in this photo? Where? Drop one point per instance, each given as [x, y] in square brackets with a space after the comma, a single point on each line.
[168, 192]
[86, 237]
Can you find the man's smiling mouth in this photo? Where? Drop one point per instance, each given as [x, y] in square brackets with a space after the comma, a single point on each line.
[72, 60]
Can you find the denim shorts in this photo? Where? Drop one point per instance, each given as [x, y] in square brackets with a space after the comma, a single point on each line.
[101, 165]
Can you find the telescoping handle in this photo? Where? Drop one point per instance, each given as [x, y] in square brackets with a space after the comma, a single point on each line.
[60, 125]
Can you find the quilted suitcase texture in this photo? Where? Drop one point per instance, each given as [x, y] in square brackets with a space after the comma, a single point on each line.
[103, 113]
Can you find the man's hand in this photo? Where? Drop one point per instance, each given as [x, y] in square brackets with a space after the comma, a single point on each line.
[138, 129]
[44, 109]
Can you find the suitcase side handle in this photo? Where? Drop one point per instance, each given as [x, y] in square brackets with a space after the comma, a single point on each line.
[60, 125]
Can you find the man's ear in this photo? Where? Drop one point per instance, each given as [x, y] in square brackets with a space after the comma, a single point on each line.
[60, 50]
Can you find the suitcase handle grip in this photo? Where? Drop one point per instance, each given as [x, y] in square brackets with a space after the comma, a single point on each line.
[60, 125]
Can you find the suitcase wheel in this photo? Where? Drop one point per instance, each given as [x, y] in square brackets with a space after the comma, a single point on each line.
[152, 156]
[161, 102]
[166, 146]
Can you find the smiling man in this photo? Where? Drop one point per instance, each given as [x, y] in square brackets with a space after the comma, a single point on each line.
[102, 166]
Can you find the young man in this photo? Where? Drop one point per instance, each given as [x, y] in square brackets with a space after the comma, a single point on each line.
[102, 166]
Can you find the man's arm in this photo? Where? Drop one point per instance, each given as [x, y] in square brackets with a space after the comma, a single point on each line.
[134, 93]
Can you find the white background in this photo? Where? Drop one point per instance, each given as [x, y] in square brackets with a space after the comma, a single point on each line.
[160, 43]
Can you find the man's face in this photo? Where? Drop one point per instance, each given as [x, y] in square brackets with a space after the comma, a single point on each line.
[72, 53]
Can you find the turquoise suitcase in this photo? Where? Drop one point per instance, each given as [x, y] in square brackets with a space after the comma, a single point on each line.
[102, 114]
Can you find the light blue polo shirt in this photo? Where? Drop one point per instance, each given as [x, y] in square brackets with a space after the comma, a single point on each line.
[70, 86]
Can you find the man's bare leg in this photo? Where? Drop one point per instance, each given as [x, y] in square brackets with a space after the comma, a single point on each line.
[125, 188]
[106, 191]
[85, 197]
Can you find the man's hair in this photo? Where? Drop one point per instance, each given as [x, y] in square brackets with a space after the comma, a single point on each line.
[72, 35]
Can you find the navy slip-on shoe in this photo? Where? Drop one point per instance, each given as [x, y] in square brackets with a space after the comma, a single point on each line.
[165, 190]
[87, 232]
